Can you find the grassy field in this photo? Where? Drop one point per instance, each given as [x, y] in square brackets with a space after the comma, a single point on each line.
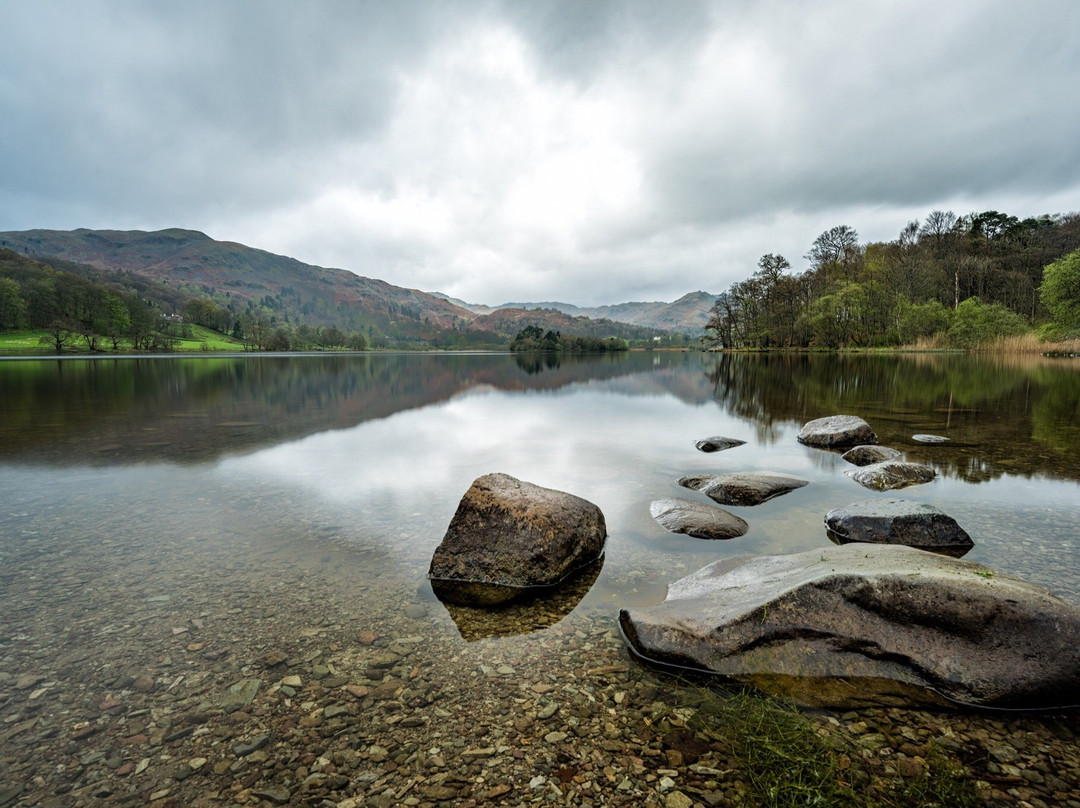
[29, 343]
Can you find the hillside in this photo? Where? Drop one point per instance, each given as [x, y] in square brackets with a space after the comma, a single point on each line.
[182, 264]
[687, 315]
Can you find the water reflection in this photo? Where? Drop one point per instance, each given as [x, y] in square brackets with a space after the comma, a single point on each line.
[525, 616]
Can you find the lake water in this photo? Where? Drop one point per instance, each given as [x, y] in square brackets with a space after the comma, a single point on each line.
[172, 526]
[371, 453]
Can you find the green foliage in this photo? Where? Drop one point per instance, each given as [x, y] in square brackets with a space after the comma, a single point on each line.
[532, 338]
[920, 320]
[975, 324]
[1060, 293]
[897, 292]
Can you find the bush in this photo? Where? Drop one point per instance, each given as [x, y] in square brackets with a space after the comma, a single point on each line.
[922, 320]
[1060, 294]
[975, 323]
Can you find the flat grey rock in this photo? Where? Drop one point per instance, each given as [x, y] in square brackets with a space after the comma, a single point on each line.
[892, 474]
[510, 538]
[718, 443]
[898, 521]
[866, 625]
[697, 519]
[929, 439]
[865, 455]
[837, 431]
[744, 488]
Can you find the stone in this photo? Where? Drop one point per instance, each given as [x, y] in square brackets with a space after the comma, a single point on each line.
[245, 748]
[697, 519]
[278, 795]
[865, 455]
[868, 625]
[898, 521]
[745, 488]
[929, 439]
[837, 431]
[511, 538]
[892, 474]
[240, 694]
[718, 444]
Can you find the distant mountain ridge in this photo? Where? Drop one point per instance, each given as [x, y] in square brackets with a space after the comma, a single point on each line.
[689, 314]
[192, 264]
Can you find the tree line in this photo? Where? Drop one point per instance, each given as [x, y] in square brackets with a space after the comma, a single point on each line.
[948, 280]
[533, 338]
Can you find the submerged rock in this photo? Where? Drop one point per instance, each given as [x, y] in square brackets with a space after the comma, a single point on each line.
[745, 488]
[837, 431]
[892, 474]
[929, 438]
[697, 519]
[718, 444]
[509, 538]
[860, 625]
[865, 455]
[898, 521]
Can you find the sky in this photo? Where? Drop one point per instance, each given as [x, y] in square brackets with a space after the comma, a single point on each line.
[586, 151]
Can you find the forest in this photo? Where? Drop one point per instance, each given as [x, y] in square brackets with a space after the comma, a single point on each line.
[948, 281]
[92, 310]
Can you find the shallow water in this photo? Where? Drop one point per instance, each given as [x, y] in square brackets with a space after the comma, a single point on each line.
[370, 454]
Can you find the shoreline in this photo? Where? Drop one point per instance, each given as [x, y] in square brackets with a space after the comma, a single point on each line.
[118, 658]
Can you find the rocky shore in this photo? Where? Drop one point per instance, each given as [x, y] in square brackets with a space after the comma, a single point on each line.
[179, 673]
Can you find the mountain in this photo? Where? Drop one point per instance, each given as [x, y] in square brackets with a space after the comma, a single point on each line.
[687, 315]
[246, 280]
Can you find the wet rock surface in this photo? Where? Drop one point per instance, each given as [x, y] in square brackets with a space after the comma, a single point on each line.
[697, 519]
[718, 443]
[898, 521]
[880, 622]
[510, 538]
[837, 431]
[891, 475]
[865, 455]
[745, 488]
[929, 439]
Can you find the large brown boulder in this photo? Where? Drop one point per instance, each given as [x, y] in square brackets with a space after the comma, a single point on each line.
[862, 624]
[837, 431]
[511, 538]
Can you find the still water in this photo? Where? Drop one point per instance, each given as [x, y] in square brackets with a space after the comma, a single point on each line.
[367, 456]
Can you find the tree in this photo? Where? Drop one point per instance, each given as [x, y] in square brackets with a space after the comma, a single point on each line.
[1060, 293]
[975, 323]
[12, 305]
[837, 245]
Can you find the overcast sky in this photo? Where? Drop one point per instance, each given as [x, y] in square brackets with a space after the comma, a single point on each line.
[586, 151]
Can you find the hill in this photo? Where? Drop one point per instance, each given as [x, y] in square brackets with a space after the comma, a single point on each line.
[687, 315]
[247, 282]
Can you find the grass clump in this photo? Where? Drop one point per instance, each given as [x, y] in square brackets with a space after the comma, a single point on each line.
[782, 757]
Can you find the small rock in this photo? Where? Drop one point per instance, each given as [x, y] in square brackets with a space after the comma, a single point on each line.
[837, 431]
[245, 748]
[415, 611]
[746, 488]
[276, 795]
[697, 519]
[929, 439]
[240, 694]
[865, 455]
[676, 799]
[718, 444]
[892, 474]
[367, 637]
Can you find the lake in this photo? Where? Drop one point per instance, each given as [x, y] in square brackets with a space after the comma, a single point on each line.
[184, 517]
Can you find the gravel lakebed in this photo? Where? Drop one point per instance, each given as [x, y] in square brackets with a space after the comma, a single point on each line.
[196, 670]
